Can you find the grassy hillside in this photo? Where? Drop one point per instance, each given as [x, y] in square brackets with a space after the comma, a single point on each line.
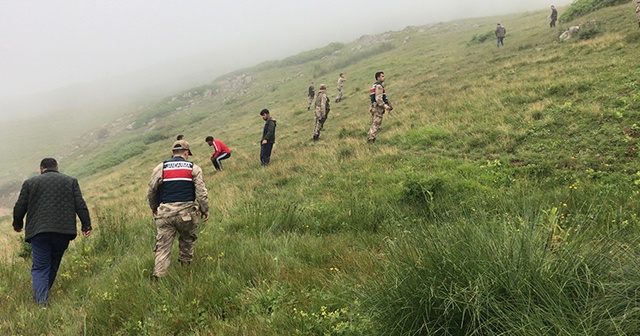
[499, 198]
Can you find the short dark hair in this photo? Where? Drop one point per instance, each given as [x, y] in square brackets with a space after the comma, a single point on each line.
[378, 74]
[264, 111]
[209, 138]
[180, 137]
[49, 164]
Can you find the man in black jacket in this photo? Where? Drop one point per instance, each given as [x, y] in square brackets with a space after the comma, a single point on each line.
[51, 202]
[268, 137]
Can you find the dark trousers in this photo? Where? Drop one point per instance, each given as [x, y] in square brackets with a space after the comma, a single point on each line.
[47, 250]
[216, 162]
[265, 153]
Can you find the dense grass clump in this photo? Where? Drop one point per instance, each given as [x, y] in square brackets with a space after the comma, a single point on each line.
[514, 277]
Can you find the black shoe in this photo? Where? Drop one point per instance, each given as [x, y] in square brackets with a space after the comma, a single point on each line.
[316, 137]
[371, 140]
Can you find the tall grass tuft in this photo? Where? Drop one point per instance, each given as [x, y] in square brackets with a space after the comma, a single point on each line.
[473, 277]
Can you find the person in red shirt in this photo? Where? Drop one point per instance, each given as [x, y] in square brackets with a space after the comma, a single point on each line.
[220, 152]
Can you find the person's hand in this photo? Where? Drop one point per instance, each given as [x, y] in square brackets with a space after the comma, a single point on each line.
[154, 213]
[205, 217]
[86, 233]
[17, 229]
[264, 142]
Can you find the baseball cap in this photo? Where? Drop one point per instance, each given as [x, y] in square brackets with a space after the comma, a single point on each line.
[181, 144]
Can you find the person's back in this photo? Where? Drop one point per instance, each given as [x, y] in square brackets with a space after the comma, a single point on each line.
[53, 200]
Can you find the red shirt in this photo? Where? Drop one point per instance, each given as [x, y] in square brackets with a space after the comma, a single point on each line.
[219, 148]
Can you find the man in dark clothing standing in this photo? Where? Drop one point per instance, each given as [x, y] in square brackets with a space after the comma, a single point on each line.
[554, 16]
[51, 202]
[268, 137]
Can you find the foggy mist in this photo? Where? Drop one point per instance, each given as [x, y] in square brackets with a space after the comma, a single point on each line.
[47, 45]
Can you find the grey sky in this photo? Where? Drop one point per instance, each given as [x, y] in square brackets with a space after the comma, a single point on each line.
[49, 44]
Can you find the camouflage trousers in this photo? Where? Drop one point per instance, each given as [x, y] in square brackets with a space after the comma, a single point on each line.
[185, 223]
[339, 97]
[376, 121]
[310, 101]
[320, 119]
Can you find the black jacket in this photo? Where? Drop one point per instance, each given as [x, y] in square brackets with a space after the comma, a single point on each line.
[269, 132]
[51, 201]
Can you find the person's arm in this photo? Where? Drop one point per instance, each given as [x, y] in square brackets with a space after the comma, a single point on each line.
[216, 150]
[20, 208]
[201, 192]
[271, 130]
[81, 209]
[323, 102]
[380, 97]
[152, 189]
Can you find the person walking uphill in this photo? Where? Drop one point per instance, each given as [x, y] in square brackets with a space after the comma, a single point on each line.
[554, 16]
[220, 152]
[379, 105]
[268, 137]
[178, 199]
[501, 32]
[321, 112]
[341, 81]
[310, 95]
[51, 202]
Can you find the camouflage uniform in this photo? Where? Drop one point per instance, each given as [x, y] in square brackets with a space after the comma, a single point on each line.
[178, 196]
[312, 93]
[341, 81]
[322, 111]
[638, 11]
[379, 104]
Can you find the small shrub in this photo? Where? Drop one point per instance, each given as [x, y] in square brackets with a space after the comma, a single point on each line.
[583, 7]
[589, 30]
[480, 38]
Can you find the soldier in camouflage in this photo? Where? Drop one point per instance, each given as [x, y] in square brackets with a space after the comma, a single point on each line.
[341, 81]
[379, 105]
[310, 95]
[321, 112]
[178, 199]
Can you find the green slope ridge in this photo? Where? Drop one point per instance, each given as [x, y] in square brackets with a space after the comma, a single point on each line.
[499, 197]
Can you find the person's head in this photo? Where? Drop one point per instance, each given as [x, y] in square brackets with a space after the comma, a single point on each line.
[380, 76]
[323, 87]
[181, 148]
[265, 114]
[341, 74]
[553, 7]
[209, 140]
[311, 83]
[180, 137]
[498, 25]
[48, 164]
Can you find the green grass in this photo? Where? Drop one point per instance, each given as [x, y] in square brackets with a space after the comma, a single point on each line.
[499, 199]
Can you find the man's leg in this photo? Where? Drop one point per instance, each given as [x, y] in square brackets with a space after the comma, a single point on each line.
[164, 240]
[41, 266]
[217, 162]
[188, 235]
[265, 153]
[376, 122]
[59, 244]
